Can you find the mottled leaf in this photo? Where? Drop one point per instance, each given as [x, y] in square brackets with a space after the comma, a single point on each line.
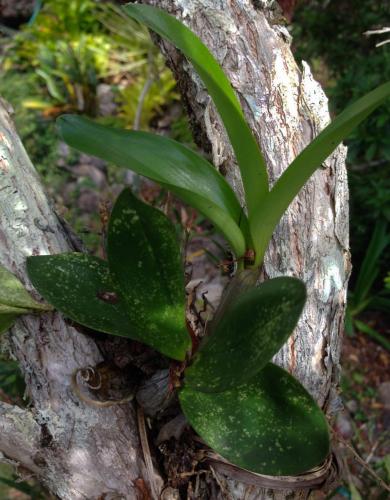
[250, 332]
[80, 287]
[144, 259]
[270, 425]
[13, 293]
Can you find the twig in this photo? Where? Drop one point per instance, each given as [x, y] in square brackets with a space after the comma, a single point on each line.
[380, 31]
[146, 451]
[372, 451]
[222, 487]
[376, 32]
[143, 94]
[382, 43]
[362, 462]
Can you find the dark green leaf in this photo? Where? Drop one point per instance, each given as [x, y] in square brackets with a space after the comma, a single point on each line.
[249, 157]
[80, 287]
[13, 293]
[270, 425]
[266, 215]
[167, 162]
[6, 321]
[250, 333]
[144, 259]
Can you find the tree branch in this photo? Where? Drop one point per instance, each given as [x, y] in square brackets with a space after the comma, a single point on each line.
[82, 452]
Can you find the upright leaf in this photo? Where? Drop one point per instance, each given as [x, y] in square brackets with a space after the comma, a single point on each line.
[248, 335]
[80, 287]
[270, 425]
[144, 259]
[248, 154]
[269, 210]
[167, 162]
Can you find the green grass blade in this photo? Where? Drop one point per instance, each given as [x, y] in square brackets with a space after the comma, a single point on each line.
[248, 154]
[370, 266]
[363, 327]
[268, 212]
[167, 162]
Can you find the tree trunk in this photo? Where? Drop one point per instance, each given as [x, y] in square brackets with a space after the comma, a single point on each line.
[286, 108]
[80, 452]
[77, 451]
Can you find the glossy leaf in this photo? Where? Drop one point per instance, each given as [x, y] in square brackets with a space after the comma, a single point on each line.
[269, 210]
[248, 154]
[144, 259]
[167, 162]
[6, 321]
[13, 293]
[270, 425]
[250, 333]
[80, 287]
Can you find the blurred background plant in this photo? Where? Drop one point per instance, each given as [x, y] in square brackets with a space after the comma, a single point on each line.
[84, 56]
[362, 298]
[330, 36]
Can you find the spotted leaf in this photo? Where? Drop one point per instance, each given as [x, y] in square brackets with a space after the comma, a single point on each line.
[145, 261]
[269, 425]
[249, 333]
[80, 287]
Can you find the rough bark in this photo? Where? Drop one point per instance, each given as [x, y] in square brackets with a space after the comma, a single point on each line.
[77, 451]
[286, 109]
[84, 452]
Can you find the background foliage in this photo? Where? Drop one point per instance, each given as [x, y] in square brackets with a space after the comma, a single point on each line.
[330, 36]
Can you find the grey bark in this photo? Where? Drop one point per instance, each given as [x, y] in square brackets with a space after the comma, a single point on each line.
[14, 9]
[84, 452]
